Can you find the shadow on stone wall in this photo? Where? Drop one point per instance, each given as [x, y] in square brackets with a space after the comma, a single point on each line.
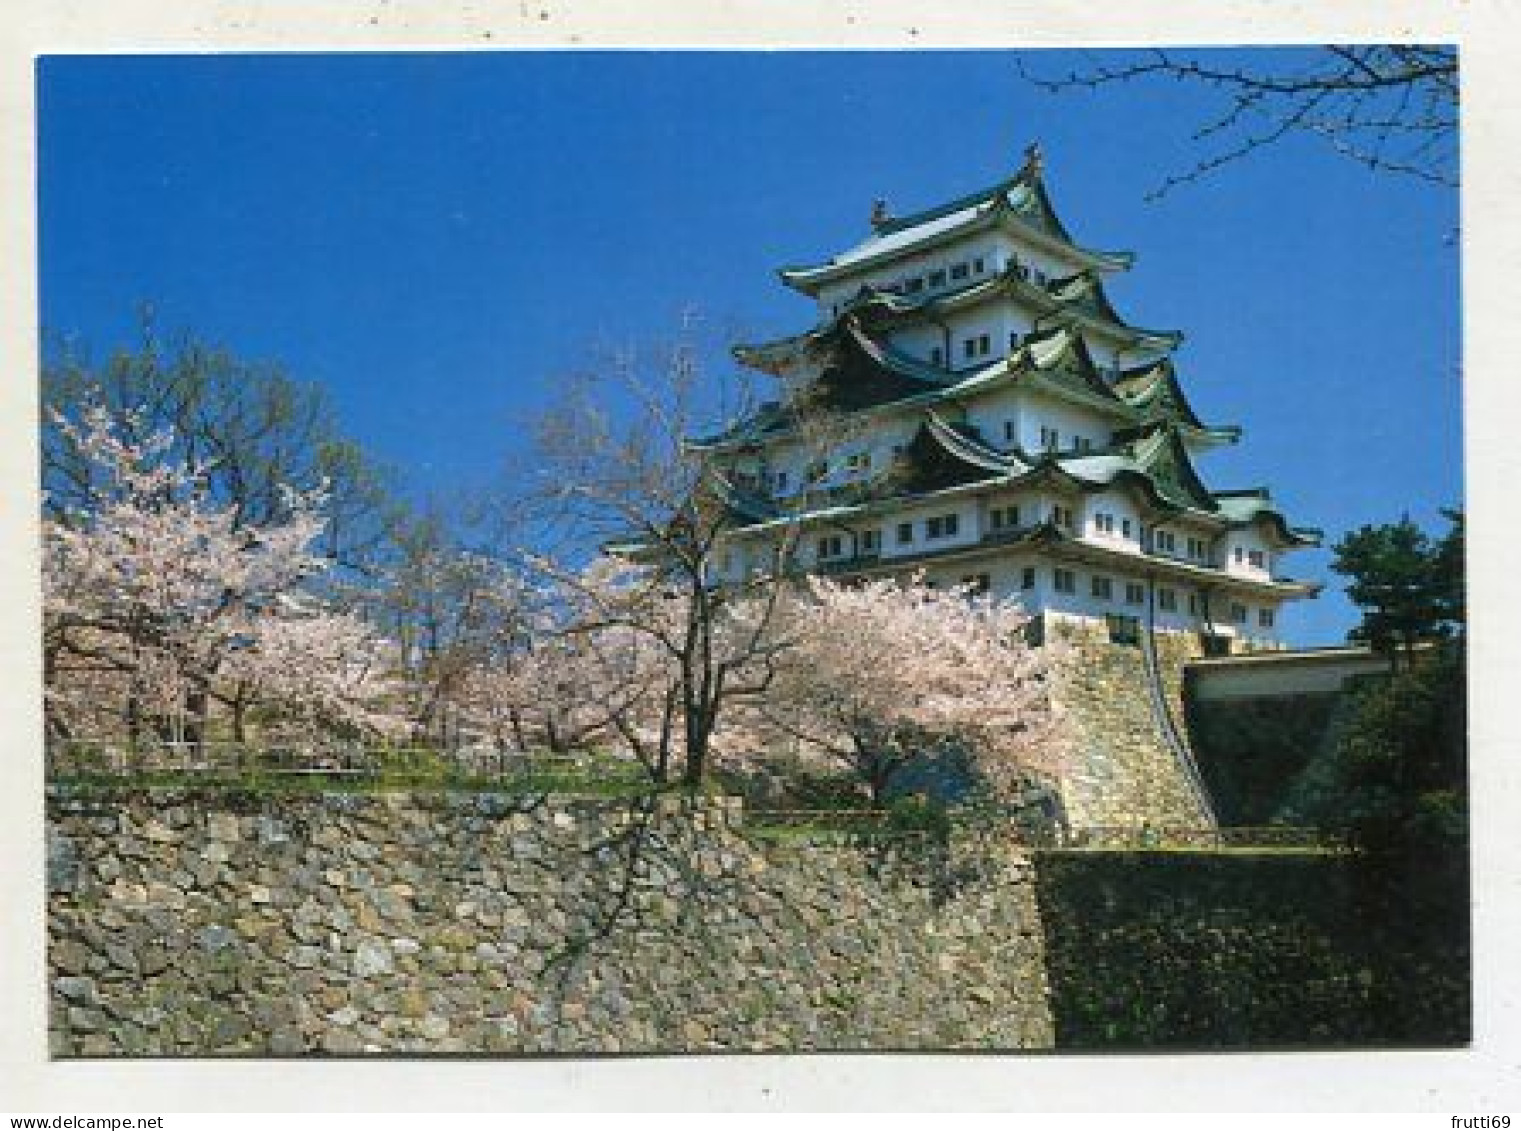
[192, 925]
[1260, 755]
[1207, 951]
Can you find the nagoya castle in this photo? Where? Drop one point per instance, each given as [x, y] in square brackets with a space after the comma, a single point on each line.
[1003, 426]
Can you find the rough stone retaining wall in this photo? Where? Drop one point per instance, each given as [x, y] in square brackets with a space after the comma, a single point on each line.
[1206, 951]
[339, 924]
[1120, 772]
[1262, 756]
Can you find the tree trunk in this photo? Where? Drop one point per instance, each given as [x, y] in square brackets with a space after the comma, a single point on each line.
[239, 719]
[197, 706]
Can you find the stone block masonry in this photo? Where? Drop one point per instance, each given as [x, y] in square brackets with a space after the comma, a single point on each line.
[1119, 771]
[184, 924]
[212, 924]
[1197, 950]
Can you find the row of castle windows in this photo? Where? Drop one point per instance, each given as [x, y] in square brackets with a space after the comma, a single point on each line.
[1102, 588]
[940, 277]
[974, 346]
[832, 546]
[861, 462]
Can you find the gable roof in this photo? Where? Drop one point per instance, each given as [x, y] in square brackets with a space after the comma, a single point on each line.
[1019, 204]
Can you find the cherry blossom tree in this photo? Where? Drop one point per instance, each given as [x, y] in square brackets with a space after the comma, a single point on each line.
[252, 433]
[160, 602]
[877, 675]
[616, 467]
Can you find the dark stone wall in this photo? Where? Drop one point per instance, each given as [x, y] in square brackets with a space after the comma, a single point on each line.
[1259, 755]
[1191, 950]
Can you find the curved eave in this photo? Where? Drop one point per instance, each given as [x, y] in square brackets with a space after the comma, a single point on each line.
[1206, 576]
[1204, 436]
[739, 502]
[1039, 360]
[1143, 387]
[1137, 480]
[1259, 509]
[1050, 386]
[810, 279]
[771, 357]
[840, 513]
[1062, 545]
[1133, 337]
[895, 360]
[1214, 434]
[1043, 303]
[1291, 537]
[964, 448]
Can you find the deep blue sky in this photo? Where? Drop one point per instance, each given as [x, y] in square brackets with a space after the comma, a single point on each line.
[436, 237]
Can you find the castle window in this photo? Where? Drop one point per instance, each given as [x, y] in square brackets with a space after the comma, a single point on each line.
[1240, 554]
[1014, 340]
[1165, 541]
[1167, 599]
[1125, 527]
[1027, 578]
[1008, 431]
[937, 356]
[781, 482]
[1256, 558]
[1238, 613]
[913, 286]
[1061, 516]
[1003, 517]
[942, 526]
[858, 462]
[1082, 443]
[1103, 588]
[937, 278]
[831, 546]
[1064, 581]
[977, 584]
[1123, 629]
[959, 271]
[1103, 523]
[1264, 618]
[1135, 593]
[871, 541]
[984, 344]
[1050, 438]
[905, 533]
[978, 266]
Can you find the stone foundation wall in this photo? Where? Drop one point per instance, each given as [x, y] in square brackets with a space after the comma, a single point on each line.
[1190, 950]
[1119, 769]
[185, 924]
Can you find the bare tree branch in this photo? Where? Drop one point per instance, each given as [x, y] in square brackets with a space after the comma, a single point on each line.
[1393, 108]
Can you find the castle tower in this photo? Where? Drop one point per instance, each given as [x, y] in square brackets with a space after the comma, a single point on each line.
[1009, 429]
